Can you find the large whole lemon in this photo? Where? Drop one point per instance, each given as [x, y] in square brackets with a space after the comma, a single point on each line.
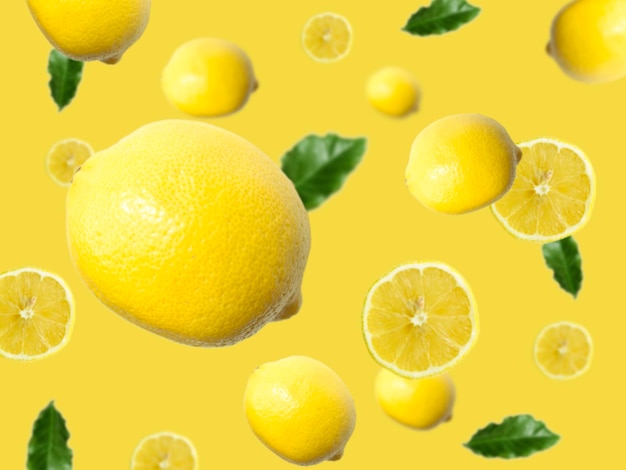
[461, 163]
[189, 231]
[94, 29]
[300, 409]
[588, 40]
[208, 77]
[417, 403]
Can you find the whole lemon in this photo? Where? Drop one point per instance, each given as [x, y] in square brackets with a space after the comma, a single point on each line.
[393, 91]
[588, 40]
[461, 163]
[208, 77]
[190, 232]
[91, 30]
[300, 409]
[417, 403]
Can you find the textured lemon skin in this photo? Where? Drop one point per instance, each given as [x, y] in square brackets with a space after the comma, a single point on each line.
[461, 163]
[189, 231]
[208, 77]
[417, 403]
[91, 30]
[300, 409]
[393, 91]
[588, 40]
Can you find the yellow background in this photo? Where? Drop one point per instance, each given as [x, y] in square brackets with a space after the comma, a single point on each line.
[116, 383]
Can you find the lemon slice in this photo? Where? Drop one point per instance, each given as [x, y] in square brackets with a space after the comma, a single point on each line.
[165, 450]
[552, 195]
[64, 157]
[420, 319]
[327, 37]
[36, 314]
[563, 350]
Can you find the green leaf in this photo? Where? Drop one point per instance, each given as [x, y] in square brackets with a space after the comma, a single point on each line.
[318, 166]
[47, 448]
[442, 16]
[563, 258]
[65, 75]
[516, 436]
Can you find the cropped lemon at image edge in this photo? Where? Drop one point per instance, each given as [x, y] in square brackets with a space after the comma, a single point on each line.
[165, 450]
[36, 314]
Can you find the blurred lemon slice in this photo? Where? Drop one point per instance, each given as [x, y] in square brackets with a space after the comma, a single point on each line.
[552, 195]
[64, 157]
[327, 37]
[420, 319]
[165, 450]
[36, 314]
[563, 350]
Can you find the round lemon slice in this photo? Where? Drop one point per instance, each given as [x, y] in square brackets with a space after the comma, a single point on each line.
[420, 319]
[327, 37]
[563, 350]
[64, 157]
[165, 450]
[36, 314]
[552, 195]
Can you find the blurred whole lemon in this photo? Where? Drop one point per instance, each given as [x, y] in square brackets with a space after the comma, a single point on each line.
[393, 91]
[190, 232]
[208, 77]
[417, 403]
[461, 163]
[588, 40]
[300, 409]
[91, 30]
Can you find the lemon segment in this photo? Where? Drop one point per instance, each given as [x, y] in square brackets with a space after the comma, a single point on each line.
[563, 350]
[552, 195]
[165, 450]
[64, 157]
[327, 37]
[420, 319]
[36, 314]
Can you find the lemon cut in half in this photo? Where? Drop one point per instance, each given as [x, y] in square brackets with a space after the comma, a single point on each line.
[64, 157]
[420, 319]
[563, 350]
[552, 195]
[165, 450]
[36, 314]
[327, 37]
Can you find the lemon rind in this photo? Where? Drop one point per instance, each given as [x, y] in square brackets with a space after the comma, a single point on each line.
[574, 326]
[173, 435]
[588, 205]
[323, 59]
[473, 315]
[69, 325]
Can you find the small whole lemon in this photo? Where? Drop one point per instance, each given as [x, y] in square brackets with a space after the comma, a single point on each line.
[91, 30]
[300, 409]
[208, 77]
[393, 91]
[588, 40]
[189, 231]
[417, 403]
[461, 163]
